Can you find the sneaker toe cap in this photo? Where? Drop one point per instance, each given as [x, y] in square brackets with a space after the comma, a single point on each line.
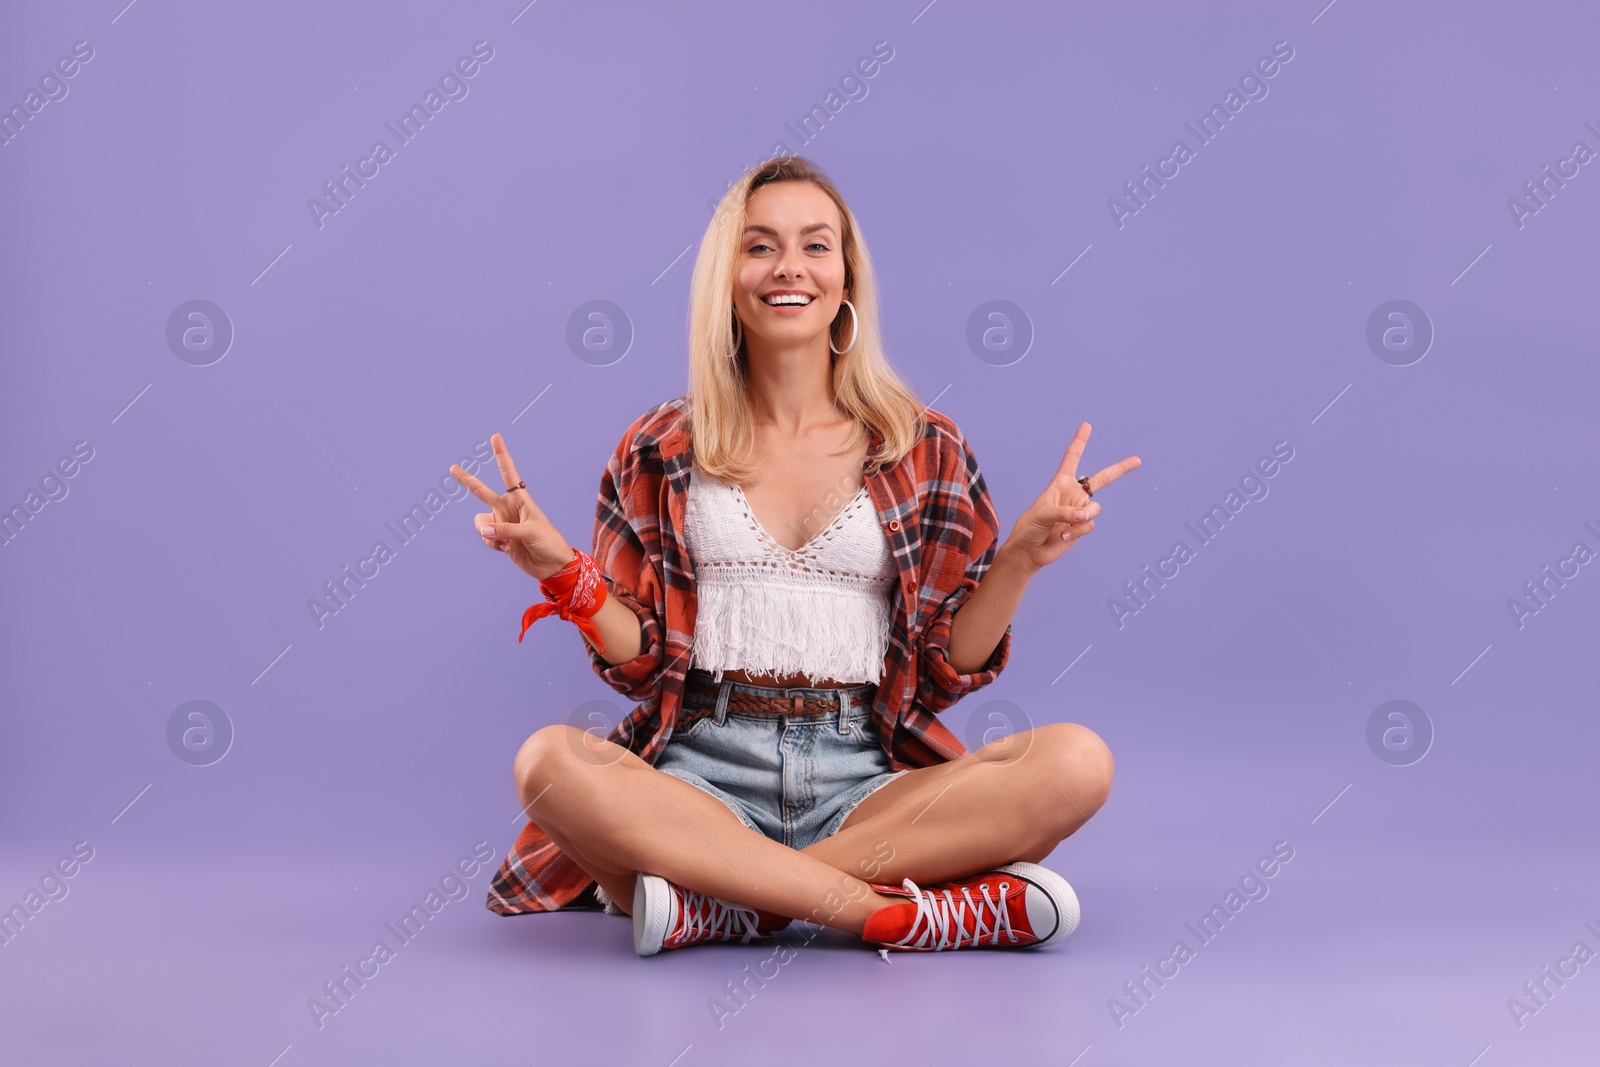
[1052, 905]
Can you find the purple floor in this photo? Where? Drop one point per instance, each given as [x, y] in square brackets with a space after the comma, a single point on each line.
[1395, 935]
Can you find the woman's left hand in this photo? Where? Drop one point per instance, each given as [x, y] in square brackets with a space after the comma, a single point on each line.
[1063, 514]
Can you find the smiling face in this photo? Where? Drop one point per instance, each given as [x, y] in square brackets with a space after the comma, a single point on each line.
[790, 278]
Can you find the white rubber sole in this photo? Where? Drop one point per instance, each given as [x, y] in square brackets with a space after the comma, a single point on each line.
[652, 910]
[1060, 895]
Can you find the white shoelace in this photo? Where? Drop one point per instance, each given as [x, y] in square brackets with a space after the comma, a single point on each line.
[940, 915]
[703, 916]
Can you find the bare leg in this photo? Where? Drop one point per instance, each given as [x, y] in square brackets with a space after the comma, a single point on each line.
[615, 815]
[617, 884]
[1013, 799]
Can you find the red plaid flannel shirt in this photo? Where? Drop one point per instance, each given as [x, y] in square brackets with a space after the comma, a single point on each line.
[942, 530]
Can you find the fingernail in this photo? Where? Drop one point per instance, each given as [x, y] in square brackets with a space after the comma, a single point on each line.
[488, 530]
[1080, 514]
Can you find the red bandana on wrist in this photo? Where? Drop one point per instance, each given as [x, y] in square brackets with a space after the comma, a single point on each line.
[575, 593]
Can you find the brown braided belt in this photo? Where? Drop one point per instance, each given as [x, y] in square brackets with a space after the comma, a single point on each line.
[700, 698]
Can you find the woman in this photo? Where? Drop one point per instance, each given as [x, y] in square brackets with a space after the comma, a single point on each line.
[790, 655]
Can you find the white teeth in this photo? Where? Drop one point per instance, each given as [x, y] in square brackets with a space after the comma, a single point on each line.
[794, 299]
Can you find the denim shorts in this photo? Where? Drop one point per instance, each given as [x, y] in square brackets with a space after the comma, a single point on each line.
[794, 777]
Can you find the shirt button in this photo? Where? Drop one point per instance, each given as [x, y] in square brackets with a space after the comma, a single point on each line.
[894, 524]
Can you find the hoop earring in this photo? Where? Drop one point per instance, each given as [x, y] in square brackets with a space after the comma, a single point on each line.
[738, 339]
[854, 325]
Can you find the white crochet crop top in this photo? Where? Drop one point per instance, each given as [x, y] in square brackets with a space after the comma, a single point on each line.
[822, 611]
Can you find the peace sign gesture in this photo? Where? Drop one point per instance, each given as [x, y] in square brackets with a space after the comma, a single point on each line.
[515, 525]
[1063, 513]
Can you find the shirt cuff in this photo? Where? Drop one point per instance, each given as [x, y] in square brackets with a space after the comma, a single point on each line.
[945, 684]
[635, 678]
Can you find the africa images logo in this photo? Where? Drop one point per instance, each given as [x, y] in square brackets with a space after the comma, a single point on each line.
[1252, 84]
[453, 87]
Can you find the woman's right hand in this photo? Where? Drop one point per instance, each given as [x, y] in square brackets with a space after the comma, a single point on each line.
[515, 525]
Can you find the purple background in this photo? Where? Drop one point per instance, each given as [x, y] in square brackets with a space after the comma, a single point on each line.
[1229, 314]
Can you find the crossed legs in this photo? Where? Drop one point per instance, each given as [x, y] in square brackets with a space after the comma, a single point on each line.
[615, 815]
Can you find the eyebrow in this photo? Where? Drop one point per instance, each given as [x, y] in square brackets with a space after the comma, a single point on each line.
[804, 230]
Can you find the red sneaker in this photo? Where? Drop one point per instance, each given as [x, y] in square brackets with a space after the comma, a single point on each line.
[668, 916]
[1021, 905]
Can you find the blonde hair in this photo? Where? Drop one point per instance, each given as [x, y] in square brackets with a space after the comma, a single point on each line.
[866, 387]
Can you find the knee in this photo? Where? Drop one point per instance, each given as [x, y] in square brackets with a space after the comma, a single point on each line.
[542, 758]
[1077, 762]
